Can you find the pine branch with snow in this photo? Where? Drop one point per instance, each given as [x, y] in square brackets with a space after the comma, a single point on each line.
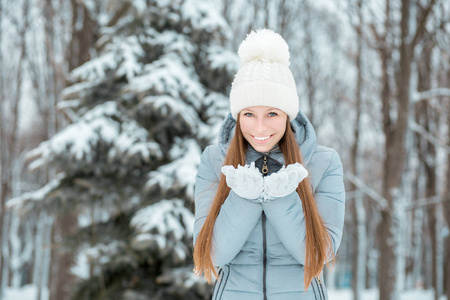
[142, 110]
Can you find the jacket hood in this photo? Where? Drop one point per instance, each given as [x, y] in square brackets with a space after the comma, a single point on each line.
[303, 131]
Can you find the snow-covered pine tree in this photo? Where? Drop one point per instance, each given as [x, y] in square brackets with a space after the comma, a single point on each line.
[142, 111]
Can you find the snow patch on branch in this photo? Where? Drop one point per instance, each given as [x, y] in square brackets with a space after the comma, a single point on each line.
[74, 92]
[223, 59]
[173, 109]
[127, 141]
[95, 69]
[111, 254]
[180, 173]
[167, 217]
[164, 228]
[132, 142]
[202, 15]
[131, 51]
[168, 76]
[38, 195]
[121, 56]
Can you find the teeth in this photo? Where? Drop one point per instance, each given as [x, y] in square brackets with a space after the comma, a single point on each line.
[262, 138]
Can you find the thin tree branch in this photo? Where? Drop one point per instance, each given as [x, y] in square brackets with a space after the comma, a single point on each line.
[421, 28]
[428, 136]
[119, 13]
[423, 202]
[382, 202]
[439, 92]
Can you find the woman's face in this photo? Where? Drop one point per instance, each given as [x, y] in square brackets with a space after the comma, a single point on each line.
[262, 126]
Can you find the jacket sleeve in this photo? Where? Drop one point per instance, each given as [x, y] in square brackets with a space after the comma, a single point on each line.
[236, 219]
[286, 213]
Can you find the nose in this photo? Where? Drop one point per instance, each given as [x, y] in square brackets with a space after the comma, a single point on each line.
[260, 126]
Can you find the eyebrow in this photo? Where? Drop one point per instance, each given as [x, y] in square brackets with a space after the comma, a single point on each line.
[273, 108]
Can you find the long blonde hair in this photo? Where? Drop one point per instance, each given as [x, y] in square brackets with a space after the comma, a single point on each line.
[318, 242]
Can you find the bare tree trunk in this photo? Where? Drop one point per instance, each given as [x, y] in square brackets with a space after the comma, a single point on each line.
[284, 15]
[267, 13]
[310, 62]
[14, 137]
[50, 129]
[3, 159]
[413, 265]
[78, 52]
[396, 151]
[418, 247]
[446, 198]
[429, 160]
[226, 9]
[386, 253]
[2, 153]
[358, 209]
[55, 269]
[82, 38]
[10, 138]
[393, 167]
[427, 155]
[48, 81]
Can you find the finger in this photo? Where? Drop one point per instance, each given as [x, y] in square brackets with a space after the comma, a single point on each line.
[227, 169]
[283, 177]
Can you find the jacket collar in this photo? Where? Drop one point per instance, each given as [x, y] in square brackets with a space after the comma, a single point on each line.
[303, 131]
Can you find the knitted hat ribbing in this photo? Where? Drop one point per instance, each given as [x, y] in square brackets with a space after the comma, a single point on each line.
[264, 78]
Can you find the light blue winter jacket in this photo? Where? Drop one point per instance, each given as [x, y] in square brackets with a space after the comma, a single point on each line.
[260, 248]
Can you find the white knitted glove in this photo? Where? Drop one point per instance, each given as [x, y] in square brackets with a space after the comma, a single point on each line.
[246, 181]
[283, 182]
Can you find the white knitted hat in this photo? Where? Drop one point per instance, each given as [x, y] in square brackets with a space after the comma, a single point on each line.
[264, 78]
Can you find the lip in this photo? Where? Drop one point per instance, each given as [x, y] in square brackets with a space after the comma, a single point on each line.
[264, 141]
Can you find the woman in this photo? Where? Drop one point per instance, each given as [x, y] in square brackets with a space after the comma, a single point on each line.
[269, 201]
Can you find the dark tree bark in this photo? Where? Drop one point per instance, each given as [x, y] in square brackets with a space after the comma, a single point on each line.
[310, 63]
[78, 52]
[357, 206]
[3, 190]
[446, 198]
[427, 153]
[82, 38]
[10, 128]
[385, 276]
[395, 149]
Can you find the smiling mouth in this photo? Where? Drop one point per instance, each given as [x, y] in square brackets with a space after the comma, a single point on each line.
[262, 138]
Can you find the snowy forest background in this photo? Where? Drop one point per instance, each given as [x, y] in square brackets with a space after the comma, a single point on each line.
[106, 107]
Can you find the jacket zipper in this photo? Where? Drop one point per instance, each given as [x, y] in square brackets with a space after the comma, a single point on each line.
[264, 170]
[264, 254]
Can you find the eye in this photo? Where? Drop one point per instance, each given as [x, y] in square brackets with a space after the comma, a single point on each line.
[248, 114]
[273, 114]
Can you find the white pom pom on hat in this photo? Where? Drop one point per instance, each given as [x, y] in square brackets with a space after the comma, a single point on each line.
[264, 44]
[264, 78]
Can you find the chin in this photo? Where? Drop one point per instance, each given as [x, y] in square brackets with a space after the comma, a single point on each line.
[262, 148]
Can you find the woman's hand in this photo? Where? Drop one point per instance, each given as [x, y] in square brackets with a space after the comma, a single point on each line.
[246, 181]
[283, 182]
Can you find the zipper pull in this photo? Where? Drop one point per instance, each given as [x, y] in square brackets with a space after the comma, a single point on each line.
[265, 169]
[320, 281]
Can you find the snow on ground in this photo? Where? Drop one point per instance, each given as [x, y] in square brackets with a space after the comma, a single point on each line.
[28, 292]
[373, 295]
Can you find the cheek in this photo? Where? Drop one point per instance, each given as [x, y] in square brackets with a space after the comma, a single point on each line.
[281, 127]
[245, 126]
